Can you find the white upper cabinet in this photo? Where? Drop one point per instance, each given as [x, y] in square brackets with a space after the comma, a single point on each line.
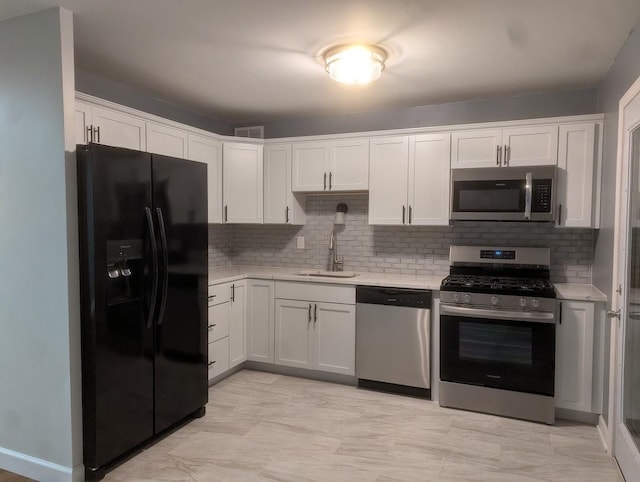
[281, 206]
[409, 180]
[511, 146]
[333, 165]
[166, 140]
[209, 150]
[109, 127]
[576, 181]
[429, 175]
[242, 183]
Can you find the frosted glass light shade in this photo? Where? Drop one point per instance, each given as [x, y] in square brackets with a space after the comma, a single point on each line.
[355, 64]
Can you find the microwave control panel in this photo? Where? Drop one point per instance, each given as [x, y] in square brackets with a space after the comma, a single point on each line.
[541, 196]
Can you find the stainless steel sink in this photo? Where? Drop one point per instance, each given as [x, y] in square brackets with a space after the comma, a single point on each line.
[328, 274]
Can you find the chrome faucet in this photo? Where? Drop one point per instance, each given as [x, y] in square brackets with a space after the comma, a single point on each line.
[337, 264]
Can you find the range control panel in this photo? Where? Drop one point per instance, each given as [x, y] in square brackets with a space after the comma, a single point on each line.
[497, 254]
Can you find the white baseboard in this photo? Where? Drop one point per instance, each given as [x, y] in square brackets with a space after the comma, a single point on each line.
[39, 469]
[603, 431]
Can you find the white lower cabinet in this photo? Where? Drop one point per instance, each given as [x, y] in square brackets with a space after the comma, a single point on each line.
[237, 324]
[575, 355]
[314, 333]
[218, 357]
[260, 321]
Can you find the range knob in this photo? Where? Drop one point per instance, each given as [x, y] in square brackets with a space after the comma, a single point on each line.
[535, 303]
[494, 300]
[466, 298]
[523, 302]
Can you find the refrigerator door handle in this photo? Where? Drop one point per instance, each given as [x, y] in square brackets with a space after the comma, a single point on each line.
[154, 262]
[165, 267]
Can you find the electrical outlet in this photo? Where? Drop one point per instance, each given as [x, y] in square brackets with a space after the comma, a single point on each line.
[300, 242]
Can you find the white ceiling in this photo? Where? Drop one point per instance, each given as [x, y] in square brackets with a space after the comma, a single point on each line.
[255, 60]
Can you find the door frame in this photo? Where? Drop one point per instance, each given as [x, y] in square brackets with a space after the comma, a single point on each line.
[620, 444]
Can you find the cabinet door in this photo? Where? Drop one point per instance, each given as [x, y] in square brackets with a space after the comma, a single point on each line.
[334, 334]
[237, 325]
[574, 355]
[218, 357]
[576, 155]
[242, 183]
[260, 322]
[218, 326]
[477, 148]
[118, 129]
[349, 165]
[166, 140]
[530, 146]
[388, 174]
[429, 174]
[310, 166]
[292, 334]
[277, 183]
[208, 150]
[83, 121]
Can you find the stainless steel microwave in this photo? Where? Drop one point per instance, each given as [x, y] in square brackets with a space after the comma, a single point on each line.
[504, 194]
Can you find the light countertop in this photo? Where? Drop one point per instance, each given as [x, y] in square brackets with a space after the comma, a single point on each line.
[224, 274]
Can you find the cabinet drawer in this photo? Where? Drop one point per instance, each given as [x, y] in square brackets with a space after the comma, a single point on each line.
[291, 290]
[218, 293]
[218, 321]
[218, 357]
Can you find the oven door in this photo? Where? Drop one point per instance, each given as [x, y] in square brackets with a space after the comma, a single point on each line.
[498, 349]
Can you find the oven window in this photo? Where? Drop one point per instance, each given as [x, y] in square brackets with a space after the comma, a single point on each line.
[496, 343]
[488, 196]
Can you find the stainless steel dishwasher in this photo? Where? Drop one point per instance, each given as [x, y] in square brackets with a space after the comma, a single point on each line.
[393, 327]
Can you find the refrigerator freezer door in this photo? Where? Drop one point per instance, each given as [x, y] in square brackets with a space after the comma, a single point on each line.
[114, 187]
[180, 214]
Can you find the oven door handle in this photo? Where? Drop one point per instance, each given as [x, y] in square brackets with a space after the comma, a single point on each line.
[528, 186]
[533, 316]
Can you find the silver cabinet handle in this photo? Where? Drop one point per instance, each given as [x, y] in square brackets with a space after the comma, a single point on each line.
[309, 312]
[96, 130]
[211, 326]
[528, 181]
[315, 313]
[211, 363]
[286, 215]
[560, 313]
[559, 214]
[507, 151]
[498, 154]
[330, 176]
[325, 182]
[410, 210]
[233, 292]
[403, 213]
[89, 134]
[226, 213]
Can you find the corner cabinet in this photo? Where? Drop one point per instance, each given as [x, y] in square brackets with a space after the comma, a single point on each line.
[260, 320]
[575, 355]
[242, 183]
[281, 205]
[334, 165]
[209, 150]
[510, 146]
[237, 324]
[409, 180]
[578, 181]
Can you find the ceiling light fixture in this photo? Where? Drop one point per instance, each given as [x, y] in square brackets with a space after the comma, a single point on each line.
[355, 64]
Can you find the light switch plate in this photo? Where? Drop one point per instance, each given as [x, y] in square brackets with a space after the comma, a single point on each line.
[300, 242]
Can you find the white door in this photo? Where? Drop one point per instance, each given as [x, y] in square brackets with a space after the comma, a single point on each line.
[242, 183]
[530, 146]
[166, 140]
[277, 178]
[477, 148]
[237, 325]
[388, 180]
[292, 339]
[310, 166]
[349, 165]
[118, 129]
[626, 289]
[83, 122]
[334, 332]
[208, 150]
[429, 174]
[260, 323]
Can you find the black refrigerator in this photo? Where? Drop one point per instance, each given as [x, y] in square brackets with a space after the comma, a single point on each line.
[143, 262]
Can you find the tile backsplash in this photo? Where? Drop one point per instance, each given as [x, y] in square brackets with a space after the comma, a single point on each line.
[391, 249]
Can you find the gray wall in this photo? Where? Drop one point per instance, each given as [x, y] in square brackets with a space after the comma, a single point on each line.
[624, 71]
[40, 409]
[391, 249]
[551, 104]
[98, 86]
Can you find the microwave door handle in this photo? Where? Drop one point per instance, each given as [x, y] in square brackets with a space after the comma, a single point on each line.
[528, 186]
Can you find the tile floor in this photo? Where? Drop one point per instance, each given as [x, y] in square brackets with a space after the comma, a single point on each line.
[262, 426]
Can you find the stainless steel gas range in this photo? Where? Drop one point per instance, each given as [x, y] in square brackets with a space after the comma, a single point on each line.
[497, 332]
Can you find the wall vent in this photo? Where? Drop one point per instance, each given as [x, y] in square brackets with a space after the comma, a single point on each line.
[255, 132]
